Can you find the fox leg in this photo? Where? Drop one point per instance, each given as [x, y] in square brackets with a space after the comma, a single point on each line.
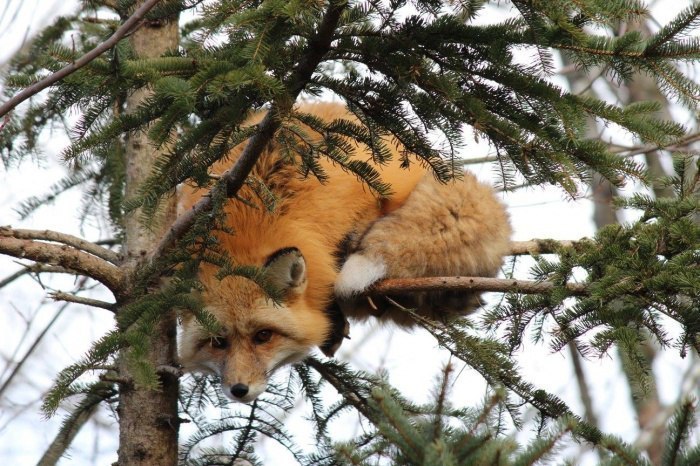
[443, 229]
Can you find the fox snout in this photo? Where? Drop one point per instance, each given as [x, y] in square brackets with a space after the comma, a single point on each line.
[243, 392]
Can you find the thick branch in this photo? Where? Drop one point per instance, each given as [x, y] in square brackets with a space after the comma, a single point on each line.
[232, 180]
[63, 238]
[66, 257]
[499, 285]
[129, 25]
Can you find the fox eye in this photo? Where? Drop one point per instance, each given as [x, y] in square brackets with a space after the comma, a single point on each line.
[263, 336]
[218, 342]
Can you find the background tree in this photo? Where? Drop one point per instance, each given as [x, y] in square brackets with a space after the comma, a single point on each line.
[407, 71]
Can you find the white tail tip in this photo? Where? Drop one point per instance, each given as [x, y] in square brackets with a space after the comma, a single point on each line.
[357, 274]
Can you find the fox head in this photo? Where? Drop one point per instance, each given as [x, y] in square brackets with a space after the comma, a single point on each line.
[258, 335]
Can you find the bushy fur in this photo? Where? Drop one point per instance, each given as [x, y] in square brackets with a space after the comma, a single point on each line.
[343, 238]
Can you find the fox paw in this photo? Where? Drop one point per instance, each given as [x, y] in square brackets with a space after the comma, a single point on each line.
[358, 274]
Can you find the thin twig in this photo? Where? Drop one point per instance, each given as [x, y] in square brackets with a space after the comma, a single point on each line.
[337, 382]
[624, 151]
[129, 25]
[680, 144]
[71, 298]
[477, 160]
[541, 246]
[18, 367]
[34, 269]
[7, 280]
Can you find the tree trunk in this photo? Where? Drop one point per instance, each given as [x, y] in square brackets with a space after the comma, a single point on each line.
[148, 421]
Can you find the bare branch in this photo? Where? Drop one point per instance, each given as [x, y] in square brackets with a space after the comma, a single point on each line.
[232, 180]
[499, 285]
[584, 391]
[680, 144]
[71, 298]
[131, 24]
[66, 257]
[478, 160]
[7, 280]
[33, 268]
[63, 238]
[77, 419]
[35, 344]
[623, 151]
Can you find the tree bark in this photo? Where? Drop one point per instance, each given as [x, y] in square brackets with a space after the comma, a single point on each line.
[148, 421]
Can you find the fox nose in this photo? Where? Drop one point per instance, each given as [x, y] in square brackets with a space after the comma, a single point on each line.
[239, 390]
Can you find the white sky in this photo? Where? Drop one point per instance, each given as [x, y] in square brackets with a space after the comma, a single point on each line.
[410, 359]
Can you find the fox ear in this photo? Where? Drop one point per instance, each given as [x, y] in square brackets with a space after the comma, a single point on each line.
[286, 270]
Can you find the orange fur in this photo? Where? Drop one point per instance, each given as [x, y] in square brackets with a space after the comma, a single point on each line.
[424, 228]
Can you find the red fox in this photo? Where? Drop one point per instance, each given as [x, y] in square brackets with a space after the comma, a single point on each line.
[323, 246]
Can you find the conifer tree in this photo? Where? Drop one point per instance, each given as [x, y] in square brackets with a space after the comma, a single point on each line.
[408, 71]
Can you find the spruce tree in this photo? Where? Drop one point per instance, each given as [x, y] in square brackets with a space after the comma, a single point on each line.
[409, 71]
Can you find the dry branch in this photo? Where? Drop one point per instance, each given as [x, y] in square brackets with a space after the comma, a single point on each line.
[35, 344]
[66, 257]
[129, 25]
[33, 268]
[63, 238]
[498, 285]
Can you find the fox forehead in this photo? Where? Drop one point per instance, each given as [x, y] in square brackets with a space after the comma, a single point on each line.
[242, 308]
[239, 321]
